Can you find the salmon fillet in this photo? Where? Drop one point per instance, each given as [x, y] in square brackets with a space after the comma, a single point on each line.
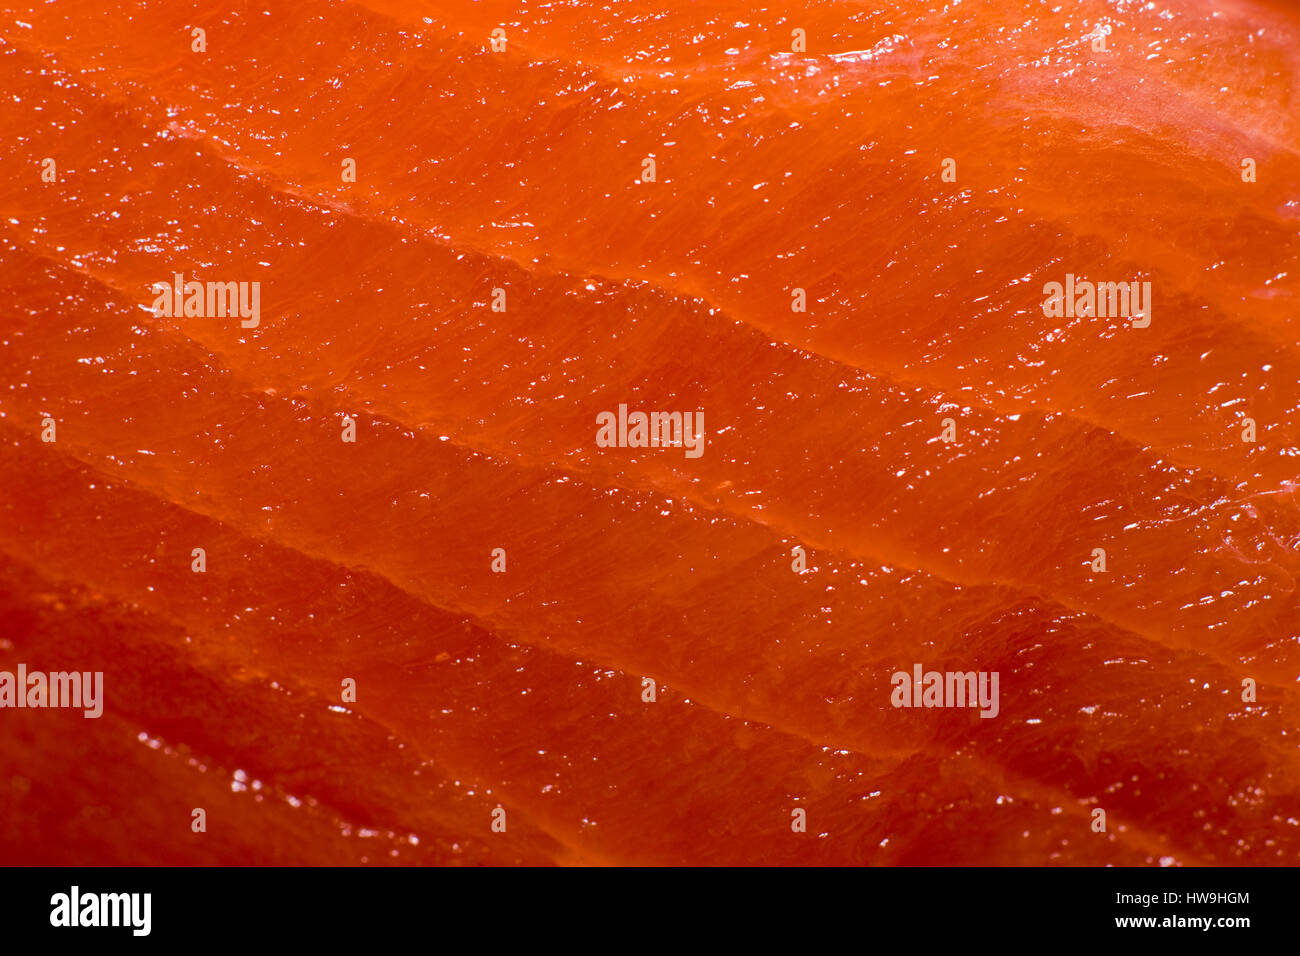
[830, 230]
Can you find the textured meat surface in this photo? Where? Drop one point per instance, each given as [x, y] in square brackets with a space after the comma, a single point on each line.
[775, 170]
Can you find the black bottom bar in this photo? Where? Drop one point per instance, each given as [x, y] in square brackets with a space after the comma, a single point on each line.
[1174, 907]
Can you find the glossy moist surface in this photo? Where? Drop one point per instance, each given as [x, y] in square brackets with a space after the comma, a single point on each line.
[775, 170]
